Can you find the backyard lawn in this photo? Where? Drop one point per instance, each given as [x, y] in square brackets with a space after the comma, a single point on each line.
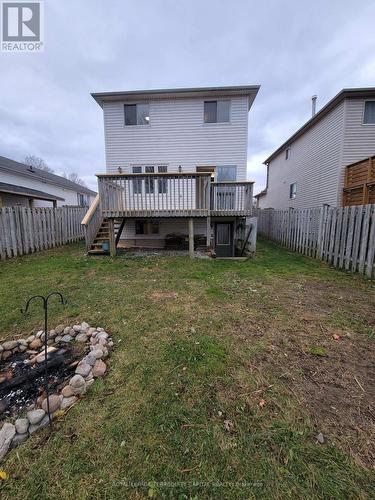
[222, 377]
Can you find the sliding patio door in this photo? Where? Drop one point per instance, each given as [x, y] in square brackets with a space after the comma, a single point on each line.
[226, 194]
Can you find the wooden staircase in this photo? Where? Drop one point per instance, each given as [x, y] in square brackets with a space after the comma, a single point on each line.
[102, 236]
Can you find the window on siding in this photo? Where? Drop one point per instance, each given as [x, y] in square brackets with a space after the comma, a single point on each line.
[287, 153]
[154, 227]
[226, 173]
[293, 190]
[82, 200]
[137, 114]
[149, 182]
[216, 111]
[143, 114]
[137, 182]
[146, 227]
[162, 183]
[140, 227]
[369, 114]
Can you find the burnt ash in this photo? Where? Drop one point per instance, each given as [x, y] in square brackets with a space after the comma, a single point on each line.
[15, 400]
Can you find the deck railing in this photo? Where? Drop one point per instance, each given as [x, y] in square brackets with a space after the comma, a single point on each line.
[231, 198]
[172, 195]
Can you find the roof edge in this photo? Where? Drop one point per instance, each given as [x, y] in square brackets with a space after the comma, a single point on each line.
[250, 90]
[25, 191]
[356, 93]
[50, 178]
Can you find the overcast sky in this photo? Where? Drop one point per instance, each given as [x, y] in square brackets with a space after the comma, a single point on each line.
[293, 49]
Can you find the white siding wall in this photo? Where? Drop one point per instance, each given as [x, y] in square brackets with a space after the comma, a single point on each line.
[166, 226]
[177, 136]
[70, 197]
[314, 164]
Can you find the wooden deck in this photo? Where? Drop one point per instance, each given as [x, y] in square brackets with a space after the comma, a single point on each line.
[124, 196]
[172, 195]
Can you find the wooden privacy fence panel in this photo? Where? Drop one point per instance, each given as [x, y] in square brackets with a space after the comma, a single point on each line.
[343, 237]
[359, 184]
[26, 230]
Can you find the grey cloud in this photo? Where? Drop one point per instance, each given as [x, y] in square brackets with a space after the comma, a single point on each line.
[293, 49]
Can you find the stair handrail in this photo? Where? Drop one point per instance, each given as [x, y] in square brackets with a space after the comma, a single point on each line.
[90, 212]
[92, 221]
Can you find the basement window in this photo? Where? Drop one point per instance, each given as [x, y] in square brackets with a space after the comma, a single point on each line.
[369, 113]
[293, 191]
[146, 227]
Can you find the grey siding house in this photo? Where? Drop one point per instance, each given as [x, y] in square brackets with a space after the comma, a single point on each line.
[176, 165]
[307, 170]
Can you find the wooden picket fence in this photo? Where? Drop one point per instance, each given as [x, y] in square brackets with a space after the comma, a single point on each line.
[343, 237]
[26, 230]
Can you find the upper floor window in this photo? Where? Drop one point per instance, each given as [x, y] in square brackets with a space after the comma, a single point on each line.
[287, 153]
[369, 113]
[137, 114]
[216, 111]
[293, 190]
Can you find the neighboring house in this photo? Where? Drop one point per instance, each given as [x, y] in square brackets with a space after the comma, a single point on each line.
[308, 169]
[173, 156]
[22, 185]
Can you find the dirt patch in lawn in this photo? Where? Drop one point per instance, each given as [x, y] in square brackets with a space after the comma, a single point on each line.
[339, 392]
[334, 381]
[319, 347]
[164, 295]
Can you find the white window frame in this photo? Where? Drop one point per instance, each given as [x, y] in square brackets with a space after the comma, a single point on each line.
[292, 193]
[208, 124]
[157, 166]
[82, 200]
[363, 113]
[136, 114]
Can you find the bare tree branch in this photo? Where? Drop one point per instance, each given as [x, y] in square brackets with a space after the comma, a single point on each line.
[37, 162]
[74, 177]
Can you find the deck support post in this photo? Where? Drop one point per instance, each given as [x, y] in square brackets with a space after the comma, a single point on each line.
[119, 233]
[208, 232]
[191, 238]
[112, 241]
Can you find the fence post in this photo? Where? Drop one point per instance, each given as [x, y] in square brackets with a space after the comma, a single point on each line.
[321, 232]
[371, 245]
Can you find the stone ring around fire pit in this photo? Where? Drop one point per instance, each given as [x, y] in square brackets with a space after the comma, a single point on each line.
[75, 357]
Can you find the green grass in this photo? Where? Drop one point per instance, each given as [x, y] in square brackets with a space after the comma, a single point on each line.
[184, 364]
[318, 350]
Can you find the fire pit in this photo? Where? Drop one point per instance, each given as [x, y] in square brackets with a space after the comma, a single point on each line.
[75, 357]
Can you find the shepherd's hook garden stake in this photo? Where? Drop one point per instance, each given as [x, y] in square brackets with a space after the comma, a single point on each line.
[45, 307]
